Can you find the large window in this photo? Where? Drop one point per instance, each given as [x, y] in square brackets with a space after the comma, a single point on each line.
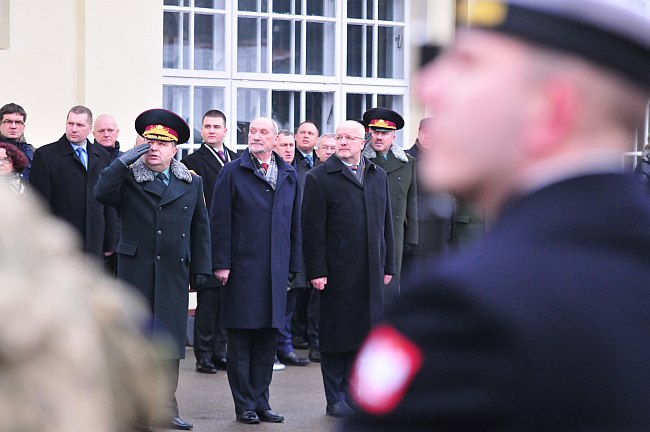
[292, 60]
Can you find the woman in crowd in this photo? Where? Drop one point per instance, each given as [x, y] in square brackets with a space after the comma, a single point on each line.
[12, 163]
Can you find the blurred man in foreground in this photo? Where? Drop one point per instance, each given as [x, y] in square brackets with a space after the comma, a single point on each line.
[543, 324]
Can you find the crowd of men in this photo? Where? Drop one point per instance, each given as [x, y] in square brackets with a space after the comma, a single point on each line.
[300, 240]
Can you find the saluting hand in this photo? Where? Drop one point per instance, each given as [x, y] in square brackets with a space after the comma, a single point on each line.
[134, 154]
[319, 283]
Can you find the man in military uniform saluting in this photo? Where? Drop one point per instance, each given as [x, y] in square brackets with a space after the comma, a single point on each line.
[165, 237]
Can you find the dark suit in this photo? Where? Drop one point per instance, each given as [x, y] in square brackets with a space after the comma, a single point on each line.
[348, 237]
[255, 234]
[60, 178]
[541, 326]
[209, 333]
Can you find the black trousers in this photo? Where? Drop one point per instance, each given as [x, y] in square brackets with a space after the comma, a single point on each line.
[304, 323]
[250, 358]
[336, 369]
[209, 334]
[172, 374]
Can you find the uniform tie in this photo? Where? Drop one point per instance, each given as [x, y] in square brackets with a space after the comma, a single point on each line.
[82, 156]
[310, 160]
[162, 177]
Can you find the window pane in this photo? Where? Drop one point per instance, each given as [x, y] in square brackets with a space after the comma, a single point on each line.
[360, 9]
[369, 51]
[251, 103]
[281, 46]
[282, 6]
[285, 106]
[209, 37]
[320, 55]
[297, 4]
[297, 25]
[391, 102]
[319, 108]
[391, 10]
[205, 99]
[210, 4]
[391, 63]
[177, 99]
[252, 45]
[325, 8]
[176, 40]
[253, 5]
[177, 3]
[355, 51]
[356, 104]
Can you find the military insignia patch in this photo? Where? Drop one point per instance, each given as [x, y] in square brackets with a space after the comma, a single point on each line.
[376, 384]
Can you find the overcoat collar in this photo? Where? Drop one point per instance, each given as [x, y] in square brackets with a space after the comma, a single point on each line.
[390, 164]
[334, 164]
[179, 184]
[284, 169]
[65, 149]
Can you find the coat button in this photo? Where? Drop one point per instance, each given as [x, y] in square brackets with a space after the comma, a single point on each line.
[399, 197]
[182, 260]
[158, 258]
[399, 178]
[160, 208]
[185, 208]
[182, 235]
[159, 232]
[396, 217]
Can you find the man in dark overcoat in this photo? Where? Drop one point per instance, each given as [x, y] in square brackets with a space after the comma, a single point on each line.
[348, 248]
[543, 324]
[383, 151]
[165, 236]
[256, 245]
[65, 172]
[209, 333]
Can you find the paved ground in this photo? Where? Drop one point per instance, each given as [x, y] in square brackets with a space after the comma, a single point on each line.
[296, 393]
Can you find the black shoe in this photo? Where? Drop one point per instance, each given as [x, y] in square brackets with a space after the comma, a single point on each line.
[205, 366]
[291, 359]
[339, 409]
[178, 423]
[219, 362]
[248, 417]
[314, 355]
[270, 416]
[300, 344]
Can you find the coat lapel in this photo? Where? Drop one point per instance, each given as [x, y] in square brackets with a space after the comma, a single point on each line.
[390, 164]
[175, 189]
[337, 165]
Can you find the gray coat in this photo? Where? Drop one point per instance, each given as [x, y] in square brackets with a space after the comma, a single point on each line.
[404, 205]
[165, 237]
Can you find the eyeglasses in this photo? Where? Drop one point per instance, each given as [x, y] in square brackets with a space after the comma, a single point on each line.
[5, 161]
[10, 122]
[347, 138]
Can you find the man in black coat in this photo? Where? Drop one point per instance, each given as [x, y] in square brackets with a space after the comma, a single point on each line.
[165, 236]
[255, 250]
[543, 324]
[209, 332]
[349, 256]
[65, 172]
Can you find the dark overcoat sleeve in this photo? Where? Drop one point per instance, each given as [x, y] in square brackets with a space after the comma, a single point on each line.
[295, 260]
[108, 189]
[314, 226]
[411, 232]
[221, 219]
[389, 241]
[40, 176]
[201, 262]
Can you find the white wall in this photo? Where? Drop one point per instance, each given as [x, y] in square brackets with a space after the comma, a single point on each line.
[106, 55]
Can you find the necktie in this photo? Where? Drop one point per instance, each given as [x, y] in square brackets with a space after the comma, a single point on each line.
[265, 166]
[82, 156]
[162, 177]
[221, 155]
[310, 160]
